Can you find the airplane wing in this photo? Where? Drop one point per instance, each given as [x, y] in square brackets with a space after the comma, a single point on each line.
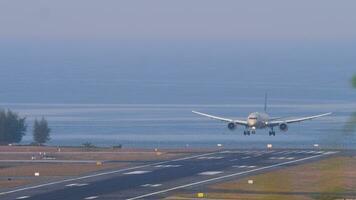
[277, 122]
[239, 122]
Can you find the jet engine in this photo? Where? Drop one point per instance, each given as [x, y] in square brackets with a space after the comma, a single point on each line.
[283, 127]
[231, 126]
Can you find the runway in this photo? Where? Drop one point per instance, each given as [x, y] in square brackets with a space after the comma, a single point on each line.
[157, 180]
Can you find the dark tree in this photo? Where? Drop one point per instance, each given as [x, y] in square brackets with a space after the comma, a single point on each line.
[12, 127]
[350, 125]
[41, 131]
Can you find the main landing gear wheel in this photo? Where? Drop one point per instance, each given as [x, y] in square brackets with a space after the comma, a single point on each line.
[272, 133]
[246, 132]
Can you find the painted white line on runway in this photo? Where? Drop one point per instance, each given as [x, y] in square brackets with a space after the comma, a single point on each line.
[210, 158]
[136, 172]
[23, 197]
[246, 157]
[151, 185]
[167, 166]
[224, 177]
[244, 166]
[225, 152]
[103, 174]
[232, 160]
[281, 158]
[92, 197]
[330, 152]
[241, 166]
[210, 173]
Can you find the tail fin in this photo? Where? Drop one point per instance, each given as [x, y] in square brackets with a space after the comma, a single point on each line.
[266, 102]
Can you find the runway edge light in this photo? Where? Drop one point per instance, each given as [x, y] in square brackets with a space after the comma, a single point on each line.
[200, 195]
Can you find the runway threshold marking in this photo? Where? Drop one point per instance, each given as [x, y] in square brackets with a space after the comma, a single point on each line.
[224, 177]
[104, 173]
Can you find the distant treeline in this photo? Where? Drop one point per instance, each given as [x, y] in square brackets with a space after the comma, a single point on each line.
[13, 128]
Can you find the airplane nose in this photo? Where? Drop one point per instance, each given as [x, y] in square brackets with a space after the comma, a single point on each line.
[251, 122]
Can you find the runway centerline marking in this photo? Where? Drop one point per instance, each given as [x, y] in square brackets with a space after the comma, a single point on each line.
[210, 173]
[224, 177]
[104, 173]
[23, 197]
[167, 166]
[136, 172]
[151, 185]
[210, 158]
[92, 197]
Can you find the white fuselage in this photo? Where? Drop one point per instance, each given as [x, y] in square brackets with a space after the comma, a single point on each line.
[257, 120]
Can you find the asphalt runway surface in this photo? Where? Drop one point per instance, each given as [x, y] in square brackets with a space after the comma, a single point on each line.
[160, 179]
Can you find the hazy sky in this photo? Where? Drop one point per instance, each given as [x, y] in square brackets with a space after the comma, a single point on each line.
[175, 51]
[180, 19]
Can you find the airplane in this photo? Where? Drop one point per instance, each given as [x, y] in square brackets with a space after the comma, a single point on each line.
[258, 120]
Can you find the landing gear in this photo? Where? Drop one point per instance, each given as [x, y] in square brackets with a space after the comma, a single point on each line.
[272, 132]
[247, 132]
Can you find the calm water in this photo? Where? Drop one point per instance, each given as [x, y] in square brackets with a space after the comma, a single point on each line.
[142, 94]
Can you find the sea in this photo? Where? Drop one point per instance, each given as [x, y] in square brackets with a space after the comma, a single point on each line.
[140, 94]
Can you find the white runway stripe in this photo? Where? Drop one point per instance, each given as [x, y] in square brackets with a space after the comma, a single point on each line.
[167, 166]
[23, 197]
[244, 166]
[92, 197]
[210, 158]
[137, 172]
[210, 173]
[151, 185]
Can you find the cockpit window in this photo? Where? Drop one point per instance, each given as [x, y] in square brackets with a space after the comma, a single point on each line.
[252, 117]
